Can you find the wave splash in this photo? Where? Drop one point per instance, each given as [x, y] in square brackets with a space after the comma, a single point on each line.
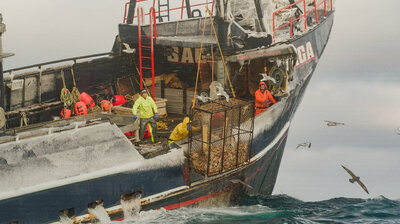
[284, 209]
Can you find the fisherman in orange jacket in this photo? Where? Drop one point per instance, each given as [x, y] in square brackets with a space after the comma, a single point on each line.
[263, 98]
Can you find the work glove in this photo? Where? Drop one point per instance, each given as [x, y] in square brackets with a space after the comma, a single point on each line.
[134, 117]
[266, 101]
[156, 116]
[188, 127]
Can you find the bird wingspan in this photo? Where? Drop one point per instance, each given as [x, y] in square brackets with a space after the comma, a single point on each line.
[349, 171]
[363, 186]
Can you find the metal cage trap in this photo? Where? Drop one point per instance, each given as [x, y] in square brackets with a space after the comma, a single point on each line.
[221, 137]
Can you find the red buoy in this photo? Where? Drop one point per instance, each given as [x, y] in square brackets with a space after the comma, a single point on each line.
[118, 100]
[65, 113]
[106, 105]
[80, 108]
[88, 100]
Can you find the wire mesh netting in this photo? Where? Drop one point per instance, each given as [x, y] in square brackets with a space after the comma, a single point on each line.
[223, 141]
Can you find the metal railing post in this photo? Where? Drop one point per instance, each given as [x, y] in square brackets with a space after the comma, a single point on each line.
[305, 15]
[315, 10]
[273, 25]
[325, 7]
[183, 5]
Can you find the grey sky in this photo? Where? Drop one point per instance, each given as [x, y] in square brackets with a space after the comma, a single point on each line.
[357, 82]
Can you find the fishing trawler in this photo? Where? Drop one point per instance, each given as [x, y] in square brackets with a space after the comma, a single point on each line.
[198, 58]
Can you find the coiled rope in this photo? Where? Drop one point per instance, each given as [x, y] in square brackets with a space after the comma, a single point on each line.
[76, 95]
[65, 95]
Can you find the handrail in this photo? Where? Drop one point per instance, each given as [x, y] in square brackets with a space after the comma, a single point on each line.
[57, 61]
[181, 8]
[304, 15]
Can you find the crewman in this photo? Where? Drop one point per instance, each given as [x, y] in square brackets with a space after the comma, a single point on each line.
[263, 98]
[180, 132]
[148, 114]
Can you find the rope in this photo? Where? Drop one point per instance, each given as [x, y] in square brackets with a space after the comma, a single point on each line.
[76, 95]
[220, 51]
[198, 62]
[65, 96]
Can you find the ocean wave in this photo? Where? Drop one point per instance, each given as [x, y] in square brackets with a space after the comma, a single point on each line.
[284, 209]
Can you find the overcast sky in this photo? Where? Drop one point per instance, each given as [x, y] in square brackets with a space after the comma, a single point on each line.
[357, 82]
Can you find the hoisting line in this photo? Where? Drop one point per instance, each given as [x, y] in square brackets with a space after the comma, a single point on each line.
[200, 55]
[198, 62]
[220, 51]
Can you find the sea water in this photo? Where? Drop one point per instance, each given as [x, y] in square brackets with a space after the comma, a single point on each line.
[283, 209]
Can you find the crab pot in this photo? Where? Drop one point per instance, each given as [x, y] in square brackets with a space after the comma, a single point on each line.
[224, 140]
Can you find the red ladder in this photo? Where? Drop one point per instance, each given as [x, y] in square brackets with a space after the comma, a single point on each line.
[153, 35]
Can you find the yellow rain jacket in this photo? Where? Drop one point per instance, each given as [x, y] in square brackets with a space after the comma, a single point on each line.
[147, 107]
[180, 132]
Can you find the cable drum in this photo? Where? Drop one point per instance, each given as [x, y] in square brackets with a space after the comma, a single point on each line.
[279, 75]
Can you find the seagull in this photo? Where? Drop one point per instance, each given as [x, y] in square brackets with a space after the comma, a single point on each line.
[237, 181]
[354, 178]
[267, 78]
[333, 123]
[305, 144]
[128, 49]
[204, 99]
[221, 92]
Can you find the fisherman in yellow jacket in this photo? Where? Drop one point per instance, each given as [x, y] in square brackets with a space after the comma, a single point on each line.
[148, 114]
[180, 132]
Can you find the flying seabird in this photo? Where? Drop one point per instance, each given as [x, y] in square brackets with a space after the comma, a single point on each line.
[267, 78]
[305, 144]
[354, 178]
[333, 123]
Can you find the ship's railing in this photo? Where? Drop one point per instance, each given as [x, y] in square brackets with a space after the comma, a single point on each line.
[304, 15]
[181, 8]
[74, 60]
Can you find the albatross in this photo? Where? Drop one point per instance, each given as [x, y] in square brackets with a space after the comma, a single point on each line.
[354, 178]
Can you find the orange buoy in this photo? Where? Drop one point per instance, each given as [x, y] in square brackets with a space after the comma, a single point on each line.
[118, 100]
[88, 100]
[106, 105]
[80, 108]
[65, 113]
